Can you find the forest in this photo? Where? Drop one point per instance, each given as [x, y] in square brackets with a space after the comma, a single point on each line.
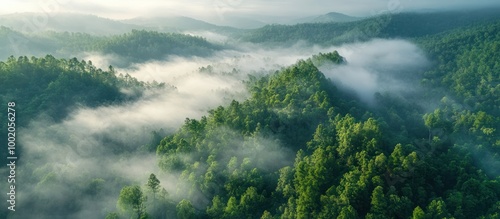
[240, 133]
[133, 47]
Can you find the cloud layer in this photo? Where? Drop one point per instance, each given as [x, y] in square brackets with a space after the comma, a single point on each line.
[377, 66]
[105, 142]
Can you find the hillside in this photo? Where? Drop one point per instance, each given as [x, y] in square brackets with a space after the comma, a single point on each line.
[135, 46]
[467, 68]
[327, 18]
[392, 116]
[141, 46]
[391, 161]
[178, 24]
[53, 87]
[344, 165]
[400, 25]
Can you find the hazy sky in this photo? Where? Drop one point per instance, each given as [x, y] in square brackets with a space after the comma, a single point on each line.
[221, 9]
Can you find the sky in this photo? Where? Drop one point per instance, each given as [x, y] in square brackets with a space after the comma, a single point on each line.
[224, 9]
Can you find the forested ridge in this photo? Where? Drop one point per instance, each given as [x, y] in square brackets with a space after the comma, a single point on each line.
[136, 46]
[48, 89]
[140, 46]
[298, 145]
[52, 88]
[384, 25]
[468, 67]
[352, 164]
[345, 166]
[58, 84]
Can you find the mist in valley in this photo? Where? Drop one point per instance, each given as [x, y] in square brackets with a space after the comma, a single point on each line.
[106, 147]
[81, 163]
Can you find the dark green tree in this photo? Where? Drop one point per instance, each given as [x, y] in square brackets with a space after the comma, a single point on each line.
[185, 210]
[418, 213]
[132, 200]
[112, 215]
[153, 185]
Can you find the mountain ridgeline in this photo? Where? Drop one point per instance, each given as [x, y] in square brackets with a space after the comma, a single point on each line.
[346, 164]
[141, 46]
[134, 47]
[398, 25]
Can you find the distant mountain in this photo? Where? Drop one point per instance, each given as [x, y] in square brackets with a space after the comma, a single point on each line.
[334, 17]
[180, 22]
[177, 24]
[237, 21]
[142, 46]
[328, 18]
[132, 47]
[58, 44]
[401, 25]
[40, 22]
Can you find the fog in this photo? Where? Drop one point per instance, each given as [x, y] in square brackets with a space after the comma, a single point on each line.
[103, 149]
[210, 36]
[75, 168]
[109, 143]
[377, 66]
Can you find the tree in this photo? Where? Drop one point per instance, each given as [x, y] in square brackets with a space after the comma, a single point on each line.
[217, 208]
[132, 200]
[185, 210]
[418, 213]
[437, 119]
[112, 215]
[232, 208]
[266, 215]
[154, 186]
[251, 202]
[347, 212]
[378, 203]
[437, 209]
[165, 206]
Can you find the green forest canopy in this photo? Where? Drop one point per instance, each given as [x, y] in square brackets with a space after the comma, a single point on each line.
[347, 160]
[346, 164]
[134, 47]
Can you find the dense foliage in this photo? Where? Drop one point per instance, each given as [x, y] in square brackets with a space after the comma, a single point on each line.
[48, 89]
[345, 165]
[133, 47]
[52, 86]
[468, 67]
[140, 46]
[298, 146]
[385, 25]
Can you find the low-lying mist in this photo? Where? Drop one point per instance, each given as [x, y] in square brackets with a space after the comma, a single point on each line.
[377, 66]
[102, 149]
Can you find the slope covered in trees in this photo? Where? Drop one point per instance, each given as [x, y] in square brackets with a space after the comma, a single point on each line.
[140, 46]
[386, 25]
[297, 147]
[463, 47]
[238, 161]
[467, 67]
[52, 88]
[136, 46]
[49, 89]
